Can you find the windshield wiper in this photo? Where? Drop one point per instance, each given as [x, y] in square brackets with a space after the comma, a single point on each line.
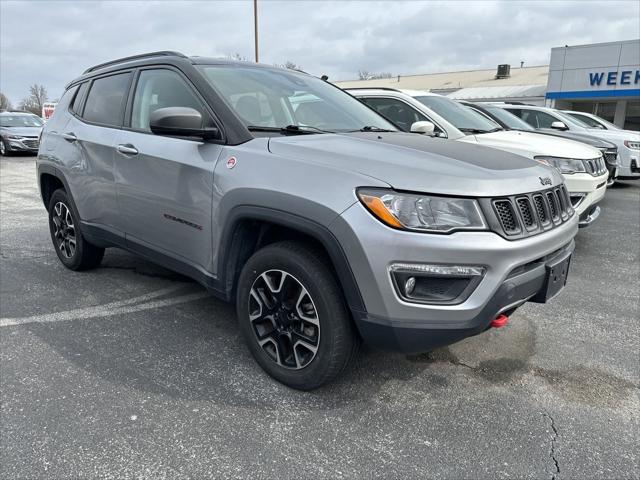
[473, 130]
[373, 128]
[295, 129]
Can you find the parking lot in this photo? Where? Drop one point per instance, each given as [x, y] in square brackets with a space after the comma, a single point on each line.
[133, 371]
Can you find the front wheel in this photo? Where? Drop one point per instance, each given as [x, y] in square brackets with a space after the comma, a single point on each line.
[4, 150]
[73, 250]
[293, 316]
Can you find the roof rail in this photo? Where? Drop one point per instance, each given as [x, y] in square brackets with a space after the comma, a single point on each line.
[163, 53]
[372, 88]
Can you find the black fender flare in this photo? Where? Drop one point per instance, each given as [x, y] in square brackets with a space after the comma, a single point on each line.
[229, 250]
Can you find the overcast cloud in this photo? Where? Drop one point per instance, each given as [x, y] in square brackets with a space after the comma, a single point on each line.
[51, 42]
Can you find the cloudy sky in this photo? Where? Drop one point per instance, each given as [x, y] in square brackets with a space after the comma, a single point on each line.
[51, 42]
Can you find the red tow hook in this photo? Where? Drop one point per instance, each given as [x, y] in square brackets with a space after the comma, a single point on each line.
[499, 321]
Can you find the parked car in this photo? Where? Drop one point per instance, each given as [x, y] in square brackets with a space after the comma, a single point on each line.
[323, 223]
[628, 142]
[592, 120]
[583, 166]
[19, 132]
[509, 121]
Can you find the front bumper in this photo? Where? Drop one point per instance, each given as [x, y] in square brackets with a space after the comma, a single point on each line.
[520, 286]
[630, 165]
[23, 145]
[592, 190]
[376, 247]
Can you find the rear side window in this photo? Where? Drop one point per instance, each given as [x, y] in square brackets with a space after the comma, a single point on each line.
[106, 100]
[77, 100]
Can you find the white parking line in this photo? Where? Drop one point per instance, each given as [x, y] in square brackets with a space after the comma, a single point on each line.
[135, 304]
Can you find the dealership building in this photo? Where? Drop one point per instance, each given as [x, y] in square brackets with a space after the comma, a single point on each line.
[602, 78]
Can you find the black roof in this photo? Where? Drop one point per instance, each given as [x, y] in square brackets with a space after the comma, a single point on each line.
[165, 56]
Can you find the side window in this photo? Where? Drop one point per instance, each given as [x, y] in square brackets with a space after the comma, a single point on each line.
[160, 88]
[106, 100]
[77, 100]
[543, 120]
[397, 111]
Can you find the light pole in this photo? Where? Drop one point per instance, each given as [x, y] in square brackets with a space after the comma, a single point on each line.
[255, 27]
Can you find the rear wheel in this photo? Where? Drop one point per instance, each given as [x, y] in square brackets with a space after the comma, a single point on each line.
[73, 250]
[293, 316]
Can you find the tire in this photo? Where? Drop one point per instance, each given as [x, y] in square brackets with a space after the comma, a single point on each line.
[72, 249]
[4, 150]
[303, 340]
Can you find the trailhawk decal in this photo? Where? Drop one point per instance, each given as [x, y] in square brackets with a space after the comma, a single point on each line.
[182, 220]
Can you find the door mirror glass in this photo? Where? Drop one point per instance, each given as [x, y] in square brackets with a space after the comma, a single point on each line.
[426, 128]
[180, 122]
[559, 125]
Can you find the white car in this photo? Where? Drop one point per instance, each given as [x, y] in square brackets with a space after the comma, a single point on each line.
[583, 166]
[627, 141]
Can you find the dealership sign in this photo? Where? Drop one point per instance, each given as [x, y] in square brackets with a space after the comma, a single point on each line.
[624, 77]
[47, 109]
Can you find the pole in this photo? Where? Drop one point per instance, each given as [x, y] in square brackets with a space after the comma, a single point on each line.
[255, 26]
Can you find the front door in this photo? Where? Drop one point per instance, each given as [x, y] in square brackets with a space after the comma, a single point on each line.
[165, 184]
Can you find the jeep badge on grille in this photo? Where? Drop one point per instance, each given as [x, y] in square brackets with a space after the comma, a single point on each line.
[545, 180]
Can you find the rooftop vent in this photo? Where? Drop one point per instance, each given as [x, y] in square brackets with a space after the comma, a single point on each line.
[504, 71]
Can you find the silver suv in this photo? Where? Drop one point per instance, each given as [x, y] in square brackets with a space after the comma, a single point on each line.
[278, 191]
[19, 132]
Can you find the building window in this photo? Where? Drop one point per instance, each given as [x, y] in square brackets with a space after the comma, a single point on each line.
[632, 118]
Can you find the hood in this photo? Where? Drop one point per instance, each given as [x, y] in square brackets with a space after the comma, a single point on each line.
[23, 131]
[590, 140]
[533, 144]
[617, 136]
[407, 161]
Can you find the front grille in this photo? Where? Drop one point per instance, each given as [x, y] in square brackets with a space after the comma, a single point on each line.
[525, 210]
[611, 156]
[507, 216]
[31, 142]
[528, 214]
[596, 166]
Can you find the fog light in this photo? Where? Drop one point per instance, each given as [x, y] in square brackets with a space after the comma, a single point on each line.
[410, 285]
[435, 284]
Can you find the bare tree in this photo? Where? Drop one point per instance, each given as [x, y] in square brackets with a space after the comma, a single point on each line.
[237, 57]
[366, 75]
[5, 104]
[36, 99]
[288, 64]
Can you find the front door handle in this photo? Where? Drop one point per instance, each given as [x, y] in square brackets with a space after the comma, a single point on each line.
[69, 137]
[128, 149]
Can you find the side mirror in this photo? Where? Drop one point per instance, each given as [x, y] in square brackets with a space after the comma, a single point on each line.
[180, 122]
[558, 125]
[426, 128]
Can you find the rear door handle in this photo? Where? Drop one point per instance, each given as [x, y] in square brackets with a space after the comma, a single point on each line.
[69, 137]
[127, 149]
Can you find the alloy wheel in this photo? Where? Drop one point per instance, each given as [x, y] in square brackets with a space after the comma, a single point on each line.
[64, 230]
[284, 319]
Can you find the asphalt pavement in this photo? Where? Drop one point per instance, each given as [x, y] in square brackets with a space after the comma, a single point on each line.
[132, 371]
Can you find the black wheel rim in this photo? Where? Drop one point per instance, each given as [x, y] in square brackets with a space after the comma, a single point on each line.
[284, 319]
[64, 231]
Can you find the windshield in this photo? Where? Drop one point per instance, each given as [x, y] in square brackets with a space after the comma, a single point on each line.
[508, 118]
[569, 120]
[461, 117]
[274, 99]
[20, 121]
[591, 122]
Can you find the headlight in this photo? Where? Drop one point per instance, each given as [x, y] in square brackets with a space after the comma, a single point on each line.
[15, 137]
[632, 144]
[565, 165]
[423, 213]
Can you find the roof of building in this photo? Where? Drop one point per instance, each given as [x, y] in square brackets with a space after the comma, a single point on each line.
[505, 91]
[456, 80]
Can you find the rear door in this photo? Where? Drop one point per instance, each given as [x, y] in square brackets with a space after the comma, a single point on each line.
[88, 139]
[165, 184]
